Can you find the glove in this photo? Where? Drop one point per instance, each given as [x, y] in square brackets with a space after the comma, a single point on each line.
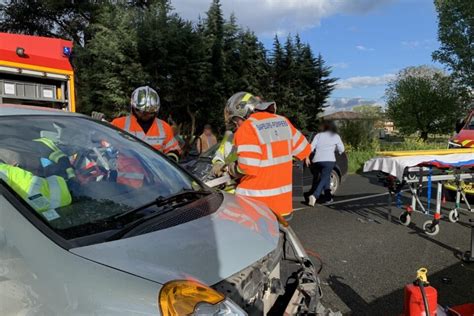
[173, 156]
[218, 169]
[97, 115]
[234, 171]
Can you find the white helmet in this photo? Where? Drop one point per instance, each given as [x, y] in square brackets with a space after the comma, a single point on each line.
[241, 104]
[145, 99]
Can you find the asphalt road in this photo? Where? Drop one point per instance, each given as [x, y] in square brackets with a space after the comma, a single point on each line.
[367, 260]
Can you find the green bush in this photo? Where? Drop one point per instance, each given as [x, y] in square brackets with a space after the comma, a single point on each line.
[412, 144]
[359, 135]
[357, 157]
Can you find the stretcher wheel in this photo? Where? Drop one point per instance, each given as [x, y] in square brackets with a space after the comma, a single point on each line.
[405, 218]
[453, 216]
[430, 229]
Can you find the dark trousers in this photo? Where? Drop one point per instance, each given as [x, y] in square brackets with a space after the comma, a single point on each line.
[321, 178]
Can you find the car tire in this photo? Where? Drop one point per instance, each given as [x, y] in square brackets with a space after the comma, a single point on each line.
[335, 181]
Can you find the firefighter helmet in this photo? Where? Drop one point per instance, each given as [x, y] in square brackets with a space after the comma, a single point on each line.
[241, 104]
[145, 99]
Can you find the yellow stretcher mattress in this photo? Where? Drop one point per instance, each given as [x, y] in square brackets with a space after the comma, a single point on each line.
[426, 152]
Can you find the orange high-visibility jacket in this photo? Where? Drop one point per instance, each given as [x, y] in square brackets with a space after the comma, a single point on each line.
[266, 144]
[160, 135]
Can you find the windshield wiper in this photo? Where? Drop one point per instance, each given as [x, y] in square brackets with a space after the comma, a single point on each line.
[160, 201]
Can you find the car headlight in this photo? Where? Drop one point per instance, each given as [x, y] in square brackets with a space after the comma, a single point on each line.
[186, 297]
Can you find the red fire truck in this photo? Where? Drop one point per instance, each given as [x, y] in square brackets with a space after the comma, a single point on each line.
[36, 70]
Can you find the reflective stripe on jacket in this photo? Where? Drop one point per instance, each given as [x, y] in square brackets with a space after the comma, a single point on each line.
[42, 194]
[160, 135]
[130, 172]
[266, 144]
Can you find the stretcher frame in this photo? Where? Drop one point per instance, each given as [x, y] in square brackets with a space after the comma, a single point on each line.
[415, 178]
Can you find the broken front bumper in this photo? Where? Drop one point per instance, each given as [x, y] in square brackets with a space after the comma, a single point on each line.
[283, 282]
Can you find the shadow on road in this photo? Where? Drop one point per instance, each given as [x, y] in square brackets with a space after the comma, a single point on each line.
[454, 286]
[370, 211]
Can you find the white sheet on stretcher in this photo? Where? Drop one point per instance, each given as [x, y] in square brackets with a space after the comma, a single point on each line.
[395, 166]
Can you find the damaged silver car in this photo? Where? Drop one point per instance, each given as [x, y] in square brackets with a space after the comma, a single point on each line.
[95, 222]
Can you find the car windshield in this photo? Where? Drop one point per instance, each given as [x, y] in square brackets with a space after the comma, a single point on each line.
[210, 152]
[77, 174]
[470, 124]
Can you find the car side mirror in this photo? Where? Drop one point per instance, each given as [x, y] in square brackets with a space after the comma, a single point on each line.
[459, 125]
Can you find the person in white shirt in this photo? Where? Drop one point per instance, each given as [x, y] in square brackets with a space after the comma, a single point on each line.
[324, 146]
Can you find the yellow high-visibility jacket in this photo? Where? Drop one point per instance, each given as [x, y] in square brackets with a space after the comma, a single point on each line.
[42, 194]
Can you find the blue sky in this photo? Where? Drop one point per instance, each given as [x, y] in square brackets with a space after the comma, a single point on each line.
[365, 41]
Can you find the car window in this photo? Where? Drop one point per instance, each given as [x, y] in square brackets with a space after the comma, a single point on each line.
[470, 124]
[76, 173]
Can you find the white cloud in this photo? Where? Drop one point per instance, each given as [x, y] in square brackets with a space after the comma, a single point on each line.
[341, 65]
[347, 104]
[364, 81]
[363, 48]
[427, 44]
[282, 16]
[411, 44]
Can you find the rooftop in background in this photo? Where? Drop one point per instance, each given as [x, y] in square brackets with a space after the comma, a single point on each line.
[38, 51]
[343, 116]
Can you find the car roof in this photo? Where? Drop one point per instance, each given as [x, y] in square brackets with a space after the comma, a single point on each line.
[16, 109]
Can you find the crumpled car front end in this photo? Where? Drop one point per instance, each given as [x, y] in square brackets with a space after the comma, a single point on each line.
[285, 282]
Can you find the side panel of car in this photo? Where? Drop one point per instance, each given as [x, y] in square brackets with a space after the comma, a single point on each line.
[38, 277]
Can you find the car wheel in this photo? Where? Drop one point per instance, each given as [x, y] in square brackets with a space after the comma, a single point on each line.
[335, 181]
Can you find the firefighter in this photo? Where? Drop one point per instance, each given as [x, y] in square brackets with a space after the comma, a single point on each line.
[234, 117]
[265, 145]
[144, 123]
[42, 194]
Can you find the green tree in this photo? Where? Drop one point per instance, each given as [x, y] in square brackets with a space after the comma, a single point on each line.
[196, 67]
[175, 59]
[456, 35]
[66, 19]
[369, 111]
[108, 66]
[300, 82]
[215, 35]
[424, 100]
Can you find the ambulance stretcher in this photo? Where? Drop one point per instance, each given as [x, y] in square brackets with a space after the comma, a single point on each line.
[415, 170]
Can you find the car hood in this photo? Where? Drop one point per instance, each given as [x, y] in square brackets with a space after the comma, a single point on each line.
[208, 249]
[465, 138]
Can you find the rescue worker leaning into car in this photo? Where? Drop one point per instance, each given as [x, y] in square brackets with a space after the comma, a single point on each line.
[48, 187]
[265, 145]
[144, 123]
[226, 155]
